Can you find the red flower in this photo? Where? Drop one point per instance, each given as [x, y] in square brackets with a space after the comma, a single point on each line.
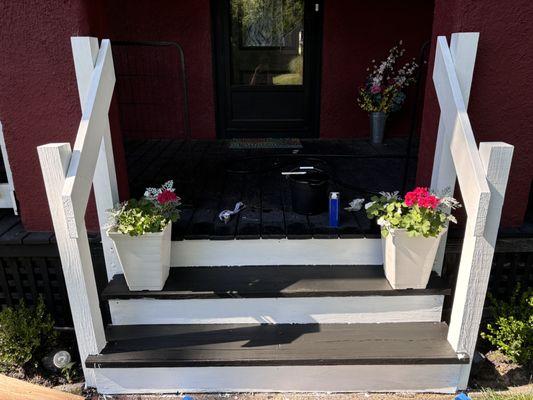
[166, 196]
[410, 199]
[421, 197]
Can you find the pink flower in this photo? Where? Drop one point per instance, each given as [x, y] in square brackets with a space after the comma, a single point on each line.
[166, 196]
[375, 89]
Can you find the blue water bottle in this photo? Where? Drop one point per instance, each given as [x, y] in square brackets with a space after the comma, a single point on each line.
[334, 209]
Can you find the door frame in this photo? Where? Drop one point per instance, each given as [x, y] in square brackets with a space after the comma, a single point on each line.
[221, 54]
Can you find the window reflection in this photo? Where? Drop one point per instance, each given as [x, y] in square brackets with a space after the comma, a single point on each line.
[267, 42]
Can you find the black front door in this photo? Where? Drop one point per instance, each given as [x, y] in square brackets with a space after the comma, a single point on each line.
[267, 63]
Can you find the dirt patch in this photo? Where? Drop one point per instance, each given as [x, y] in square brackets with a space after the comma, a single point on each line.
[495, 371]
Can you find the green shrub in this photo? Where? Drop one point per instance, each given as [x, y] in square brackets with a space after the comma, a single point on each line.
[26, 333]
[512, 329]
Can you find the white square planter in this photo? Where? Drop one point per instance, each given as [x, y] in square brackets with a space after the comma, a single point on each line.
[145, 259]
[408, 261]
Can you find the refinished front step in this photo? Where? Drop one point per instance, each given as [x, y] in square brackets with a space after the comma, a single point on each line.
[280, 294]
[309, 357]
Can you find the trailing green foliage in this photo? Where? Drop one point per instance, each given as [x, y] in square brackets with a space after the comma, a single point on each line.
[512, 329]
[137, 217]
[150, 214]
[26, 333]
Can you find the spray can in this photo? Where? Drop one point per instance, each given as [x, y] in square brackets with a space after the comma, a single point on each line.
[334, 209]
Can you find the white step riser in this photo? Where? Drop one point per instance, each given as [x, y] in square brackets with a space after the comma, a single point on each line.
[336, 378]
[276, 252]
[302, 310]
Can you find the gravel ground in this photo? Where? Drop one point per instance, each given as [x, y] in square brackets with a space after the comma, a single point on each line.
[318, 396]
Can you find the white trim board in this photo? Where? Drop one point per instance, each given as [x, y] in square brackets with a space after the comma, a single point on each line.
[5, 197]
[334, 378]
[300, 310]
[276, 252]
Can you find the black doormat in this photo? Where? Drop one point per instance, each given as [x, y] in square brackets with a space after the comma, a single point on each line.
[265, 143]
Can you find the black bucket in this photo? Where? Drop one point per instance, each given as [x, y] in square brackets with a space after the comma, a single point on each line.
[309, 191]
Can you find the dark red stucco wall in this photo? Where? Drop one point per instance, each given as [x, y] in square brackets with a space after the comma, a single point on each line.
[501, 104]
[187, 22]
[355, 32]
[38, 100]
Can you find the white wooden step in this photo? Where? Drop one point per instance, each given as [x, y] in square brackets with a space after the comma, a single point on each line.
[251, 358]
[363, 251]
[275, 295]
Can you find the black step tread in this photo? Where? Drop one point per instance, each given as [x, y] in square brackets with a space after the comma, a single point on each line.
[283, 344]
[273, 281]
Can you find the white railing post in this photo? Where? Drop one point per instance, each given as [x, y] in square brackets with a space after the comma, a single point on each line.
[68, 176]
[7, 189]
[85, 52]
[75, 258]
[463, 50]
[474, 272]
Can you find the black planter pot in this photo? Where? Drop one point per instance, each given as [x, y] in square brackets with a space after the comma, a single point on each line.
[309, 191]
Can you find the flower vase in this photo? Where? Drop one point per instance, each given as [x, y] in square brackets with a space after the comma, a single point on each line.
[377, 126]
[145, 259]
[408, 261]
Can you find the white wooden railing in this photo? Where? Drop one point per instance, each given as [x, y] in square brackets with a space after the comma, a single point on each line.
[68, 177]
[482, 175]
[7, 189]
[69, 174]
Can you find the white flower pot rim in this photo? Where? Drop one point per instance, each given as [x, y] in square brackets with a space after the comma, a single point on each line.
[403, 230]
[113, 232]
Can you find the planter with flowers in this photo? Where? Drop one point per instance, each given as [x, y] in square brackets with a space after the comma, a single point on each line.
[384, 90]
[411, 229]
[141, 231]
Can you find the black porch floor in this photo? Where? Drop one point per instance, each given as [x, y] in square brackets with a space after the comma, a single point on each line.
[206, 177]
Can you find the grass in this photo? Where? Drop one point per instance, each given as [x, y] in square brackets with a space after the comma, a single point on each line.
[490, 395]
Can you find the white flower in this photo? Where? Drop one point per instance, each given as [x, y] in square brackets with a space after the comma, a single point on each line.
[451, 218]
[390, 195]
[355, 205]
[152, 193]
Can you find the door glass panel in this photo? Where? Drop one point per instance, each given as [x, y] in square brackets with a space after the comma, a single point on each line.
[267, 40]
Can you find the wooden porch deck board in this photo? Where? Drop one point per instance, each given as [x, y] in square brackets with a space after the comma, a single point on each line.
[272, 282]
[273, 345]
[200, 170]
